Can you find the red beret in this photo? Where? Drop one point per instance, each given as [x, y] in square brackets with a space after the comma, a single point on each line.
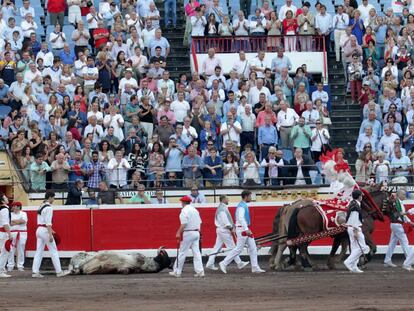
[186, 199]
[19, 204]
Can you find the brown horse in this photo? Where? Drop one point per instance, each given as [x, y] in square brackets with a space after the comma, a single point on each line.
[309, 221]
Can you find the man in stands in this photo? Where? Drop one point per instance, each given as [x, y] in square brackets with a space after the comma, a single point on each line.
[210, 63]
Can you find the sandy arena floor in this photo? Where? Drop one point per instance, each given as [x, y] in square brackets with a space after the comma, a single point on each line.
[379, 288]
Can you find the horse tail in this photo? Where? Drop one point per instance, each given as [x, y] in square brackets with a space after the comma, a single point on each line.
[275, 230]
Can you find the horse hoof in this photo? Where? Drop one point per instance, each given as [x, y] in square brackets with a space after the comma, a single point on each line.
[308, 269]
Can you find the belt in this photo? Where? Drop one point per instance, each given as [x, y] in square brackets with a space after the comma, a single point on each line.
[287, 126]
[268, 144]
[44, 226]
[191, 230]
[18, 231]
[58, 49]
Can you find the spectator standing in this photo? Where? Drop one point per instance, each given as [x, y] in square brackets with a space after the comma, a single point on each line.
[320, 137]
[192, 168]
[75, 193]
[170, 8]
[60, 172]
[286, 119]
[56, 10]
[74, 12]
[118, 168]
[37, 173]
[306, 26]
[301, 136]
[95, 170]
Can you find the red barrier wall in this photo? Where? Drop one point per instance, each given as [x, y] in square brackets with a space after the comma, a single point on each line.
[150, 227]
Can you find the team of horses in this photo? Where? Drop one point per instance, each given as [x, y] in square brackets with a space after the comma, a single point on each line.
[377, 202]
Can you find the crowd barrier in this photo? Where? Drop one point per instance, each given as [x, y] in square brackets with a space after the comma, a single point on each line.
[145, 228]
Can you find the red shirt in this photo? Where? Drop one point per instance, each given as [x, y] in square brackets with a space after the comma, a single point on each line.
[291, 27]
[56, 6]
[102, 41]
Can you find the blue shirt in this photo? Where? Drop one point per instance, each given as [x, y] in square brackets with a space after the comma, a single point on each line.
[162, 42]
[42, 121]
[227, 105]
[67, 59]
[375, 125]
[4, 91]
[267, 135]
[72, 173]
[219, 171]
[174, 160]
[380, 34]
[243, 204]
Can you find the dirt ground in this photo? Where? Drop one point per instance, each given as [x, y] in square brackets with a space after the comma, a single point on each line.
[379, 288]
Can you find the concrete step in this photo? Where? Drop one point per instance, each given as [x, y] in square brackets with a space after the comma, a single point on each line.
[344, 122]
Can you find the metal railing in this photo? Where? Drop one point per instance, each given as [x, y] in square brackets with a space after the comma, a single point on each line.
[252, 44]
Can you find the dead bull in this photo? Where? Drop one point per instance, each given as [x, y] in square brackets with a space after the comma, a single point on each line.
[116, 262]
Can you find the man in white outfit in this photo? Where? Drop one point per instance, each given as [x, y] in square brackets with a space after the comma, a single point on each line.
[397, 230]
[19, 233]
[44, 235]
[244, 236]
[409, 260]
[189, 230]
[5, 235]
[224, 231]
[356, 237]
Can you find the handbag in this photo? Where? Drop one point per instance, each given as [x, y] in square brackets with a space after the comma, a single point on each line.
[325, 147]
[326, 121]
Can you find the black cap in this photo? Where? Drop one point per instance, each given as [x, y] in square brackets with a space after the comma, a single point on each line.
[356, 194]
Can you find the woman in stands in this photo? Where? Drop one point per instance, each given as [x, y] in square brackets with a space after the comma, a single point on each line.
[225, 29]
[53, 144]
[300, 77]
[36, 143]
[371, 52]
[156, 161]
[381, 168]
[118, 69]
[207, 136]
[389, 81]
[300, 99]
[251, 170]
[67, 107]
[357, 25]
[355, 77]
[363, 167]
[289, 26]
[273, 27]
[138, 159]
[105, 155]
[29, 100]
[19, 143]
[230, 171]
[25, 161]
[211, 29]
[321, 108]
[393, 125]
[80, 96]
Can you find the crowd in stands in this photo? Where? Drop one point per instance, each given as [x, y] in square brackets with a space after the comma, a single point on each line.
[100, 105]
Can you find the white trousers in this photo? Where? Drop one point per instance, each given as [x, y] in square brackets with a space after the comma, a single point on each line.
[225, 237]
[20, 247]
[337, 37]
[357, 244]
[397, 235]
[3, 253]
[409, 260]
[191, 240]
[43, 239]
[241, 242]
[149, 128]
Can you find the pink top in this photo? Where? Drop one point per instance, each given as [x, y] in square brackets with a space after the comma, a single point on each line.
[190, 8]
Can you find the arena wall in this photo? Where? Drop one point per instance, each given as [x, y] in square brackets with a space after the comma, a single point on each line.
[145, 228]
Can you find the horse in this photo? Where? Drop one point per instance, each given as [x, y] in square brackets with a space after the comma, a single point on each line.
[309, 221]
[115, 262]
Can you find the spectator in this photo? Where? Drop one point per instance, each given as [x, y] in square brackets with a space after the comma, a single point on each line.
[299, 168]
[363, 167]
[141, 197]
[373, 123]
[118, 168]
[37, 173]
[192, 166]
[95, 171]
[381, 168]
[230, 130]
[251, 170]
[286, 119]
[267, 136]
[285, 8]
[241, 29]
[75, 193]
[357, 23]
[159, 197]
[400, 167]
[56, 9]
[230, 171]
[106, 196]
[320, 137]
[161, 41]
[301, 136]
[289, 30]
[196, 196]
[213, 169]
[355, 77]
[272, 164]
[156, 161]
[60, 172]
[386, 143]
[367, 138]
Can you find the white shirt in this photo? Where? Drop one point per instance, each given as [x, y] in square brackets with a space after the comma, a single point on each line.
[47, 58]
[241, 31]
[110, 120]
[365, 10]
[20, 216]
[232, 134]
[320, 95]
[273, 165]
[322, 138]
[353, 219]
[323, 22]
[248, 122]
[254, 94]
[262, 64]
[284, 9]
[26, 27]
[93, 24]
[58, 44]
[190, 132]
[4, 217]
[286, 119]
[221, 220]
[98, 115]
[242, 68]
[90, 71]
[180, 109]
[198, 26]
[30, 75]
[133, 82]
[147, 36]
[45, 218]
[300, 179]
[96, 130]
[117, 172]
[340, 21]
[387, 142]
[79, 66]
[190, 217]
